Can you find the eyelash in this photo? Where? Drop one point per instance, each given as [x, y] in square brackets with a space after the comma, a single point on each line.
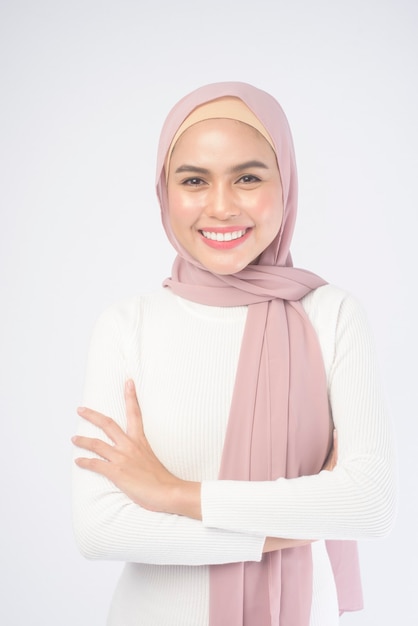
[196, 182]
[193, 182]
[252, 177]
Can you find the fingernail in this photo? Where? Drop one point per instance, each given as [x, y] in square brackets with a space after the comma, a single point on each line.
[130, 384]
[81, 410]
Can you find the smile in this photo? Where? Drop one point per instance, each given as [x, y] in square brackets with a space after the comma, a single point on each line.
[229, 236]
[225, 238]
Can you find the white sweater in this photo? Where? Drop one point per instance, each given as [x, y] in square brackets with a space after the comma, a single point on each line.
[183, 357]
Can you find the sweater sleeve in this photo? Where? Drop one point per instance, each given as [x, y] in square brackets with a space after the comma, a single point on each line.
[107, 524]
[357, 499]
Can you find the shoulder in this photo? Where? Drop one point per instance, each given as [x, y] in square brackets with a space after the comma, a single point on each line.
[334, 314]
[122, 320]
[128, 310]
[325, 299]
[327, 304]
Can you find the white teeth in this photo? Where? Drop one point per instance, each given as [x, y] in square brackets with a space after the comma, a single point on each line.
[236, 234]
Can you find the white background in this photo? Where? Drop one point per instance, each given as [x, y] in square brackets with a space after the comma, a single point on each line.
[85, 86]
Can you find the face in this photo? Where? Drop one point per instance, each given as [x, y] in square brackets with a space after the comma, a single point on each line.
[224, 194]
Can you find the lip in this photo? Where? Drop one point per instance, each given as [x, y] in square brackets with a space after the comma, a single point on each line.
[225, 245]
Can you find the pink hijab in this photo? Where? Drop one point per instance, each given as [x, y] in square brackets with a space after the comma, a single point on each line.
[279, 423]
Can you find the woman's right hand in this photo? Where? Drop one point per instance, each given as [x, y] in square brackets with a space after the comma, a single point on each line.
[130, 463]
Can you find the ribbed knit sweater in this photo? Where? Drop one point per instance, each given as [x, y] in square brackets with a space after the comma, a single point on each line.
[183, 358]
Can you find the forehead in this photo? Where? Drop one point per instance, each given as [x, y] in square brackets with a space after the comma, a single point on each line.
[218, 135]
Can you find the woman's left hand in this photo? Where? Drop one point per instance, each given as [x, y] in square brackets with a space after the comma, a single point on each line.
[132, 465]
[332, 458]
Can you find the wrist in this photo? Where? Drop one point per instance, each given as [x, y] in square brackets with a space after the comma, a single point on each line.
[185, 499]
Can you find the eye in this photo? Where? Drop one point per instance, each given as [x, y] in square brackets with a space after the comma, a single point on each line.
[249, 179]
[193, 182]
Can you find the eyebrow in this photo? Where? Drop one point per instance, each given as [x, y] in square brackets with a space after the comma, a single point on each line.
[232, 170]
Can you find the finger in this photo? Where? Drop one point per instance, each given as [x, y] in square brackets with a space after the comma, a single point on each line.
[106, 424]
[334, 452]
[135, 427]
[95, 465]
[97, 446]
[331, 459]
[335, 444]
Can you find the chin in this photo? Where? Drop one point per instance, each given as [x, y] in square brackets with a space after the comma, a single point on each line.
[219, 264]
[226, 270]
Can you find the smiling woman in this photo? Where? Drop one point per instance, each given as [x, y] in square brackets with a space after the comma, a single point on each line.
[229, 200]
[207, 462]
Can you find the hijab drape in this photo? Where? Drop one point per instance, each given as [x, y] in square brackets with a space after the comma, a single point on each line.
[279, 423]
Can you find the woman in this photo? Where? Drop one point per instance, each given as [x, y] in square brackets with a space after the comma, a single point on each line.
[212, 487]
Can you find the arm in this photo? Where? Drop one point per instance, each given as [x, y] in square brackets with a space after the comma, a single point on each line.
[131, 465]
[107, 523]
[95, 497]
[357, 499]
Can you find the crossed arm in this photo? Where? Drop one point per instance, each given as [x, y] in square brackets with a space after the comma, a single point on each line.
[132, 466]
[355, 501]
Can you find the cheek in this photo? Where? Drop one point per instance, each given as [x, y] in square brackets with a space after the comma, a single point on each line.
[176, 211]
[183, 206]
[270, 210]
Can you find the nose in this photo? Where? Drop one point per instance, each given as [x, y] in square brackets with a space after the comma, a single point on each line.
[222, 203]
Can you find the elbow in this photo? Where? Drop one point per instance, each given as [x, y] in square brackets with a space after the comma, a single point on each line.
[377, 505]
[381, 524]
[96, 515]
[89, 539]
[385, 513]
[95, 532]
